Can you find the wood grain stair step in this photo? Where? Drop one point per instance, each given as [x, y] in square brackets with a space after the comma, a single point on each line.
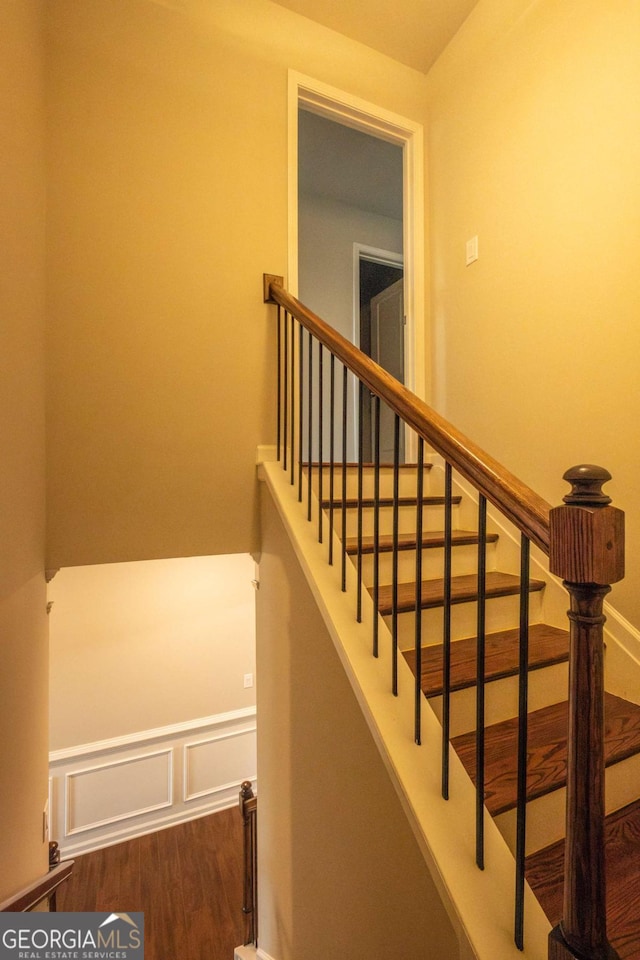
[547, 750]
[352, 502]
[463, 590]
[547, 646]
[545, 870]
[408, 541]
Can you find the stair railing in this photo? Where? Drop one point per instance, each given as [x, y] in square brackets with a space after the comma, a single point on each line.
[44, 888]
[249, 814]
[584, 540]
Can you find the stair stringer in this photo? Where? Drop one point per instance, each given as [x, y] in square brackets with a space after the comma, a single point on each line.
[479, 903]
[622, 639]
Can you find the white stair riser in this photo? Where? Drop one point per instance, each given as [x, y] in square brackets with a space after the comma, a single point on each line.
[407, 482]
[502, 613]
[546, 815]
[546, 686]
[432, 519]
[464, 561]
[545, 822]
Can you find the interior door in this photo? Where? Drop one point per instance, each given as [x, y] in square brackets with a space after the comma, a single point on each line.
[387, 349]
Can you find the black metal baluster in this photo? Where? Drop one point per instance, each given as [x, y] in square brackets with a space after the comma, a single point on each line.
[344, 478]
[332, 432]
[394, 560]
[310, 428]
[301, 407]
[293, 396]
[482, 578]
[523, 696]
[418, 603]
[446, 631]
[279, 376]
[320, 437]
[376, 525]
[285, 398]
[360, 481]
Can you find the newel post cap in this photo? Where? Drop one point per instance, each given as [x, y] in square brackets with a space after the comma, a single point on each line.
[586, 485]
[246, 790]
[586, 535]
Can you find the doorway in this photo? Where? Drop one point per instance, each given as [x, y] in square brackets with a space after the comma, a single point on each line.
[379, 294]
[308, 96]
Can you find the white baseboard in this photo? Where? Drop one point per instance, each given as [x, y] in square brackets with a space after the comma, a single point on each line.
[108, 791]
[251, 953]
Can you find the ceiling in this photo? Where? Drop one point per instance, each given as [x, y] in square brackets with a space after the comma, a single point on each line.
[414, 32]
[338, 163]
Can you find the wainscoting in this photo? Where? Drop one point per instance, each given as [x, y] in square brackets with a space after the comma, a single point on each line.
[105, 792]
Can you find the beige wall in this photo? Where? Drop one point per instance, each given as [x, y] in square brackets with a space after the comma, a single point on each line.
[23, 623]
[534, 146]
[340, 871]
[168, 200]
[137, 646]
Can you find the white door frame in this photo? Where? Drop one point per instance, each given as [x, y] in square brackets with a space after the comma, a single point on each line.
[337, 105]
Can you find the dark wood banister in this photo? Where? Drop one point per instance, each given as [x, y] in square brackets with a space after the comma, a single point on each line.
[249, 811]
[584, 540]
[587, 551]
[41, 889]
[518, 502]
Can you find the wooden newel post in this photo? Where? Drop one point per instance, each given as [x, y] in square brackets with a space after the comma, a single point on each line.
[586, 549]
[248, 811]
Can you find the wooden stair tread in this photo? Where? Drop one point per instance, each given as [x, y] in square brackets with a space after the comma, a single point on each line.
[545, 870]
[463, 590]
[352, 502]
[408, 541]
[547, 750]
[547, 646]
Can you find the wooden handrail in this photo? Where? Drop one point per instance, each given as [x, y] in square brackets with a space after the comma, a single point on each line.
[518, 502]
[42, 889]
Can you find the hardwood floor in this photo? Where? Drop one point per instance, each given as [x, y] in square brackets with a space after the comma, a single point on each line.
[187, 880]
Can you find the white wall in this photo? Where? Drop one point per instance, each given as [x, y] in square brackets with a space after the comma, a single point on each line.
[150, 718]
[141, 645]
[327, 230]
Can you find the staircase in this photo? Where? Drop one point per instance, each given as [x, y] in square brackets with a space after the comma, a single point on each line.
[548, 653]
[445, 584]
